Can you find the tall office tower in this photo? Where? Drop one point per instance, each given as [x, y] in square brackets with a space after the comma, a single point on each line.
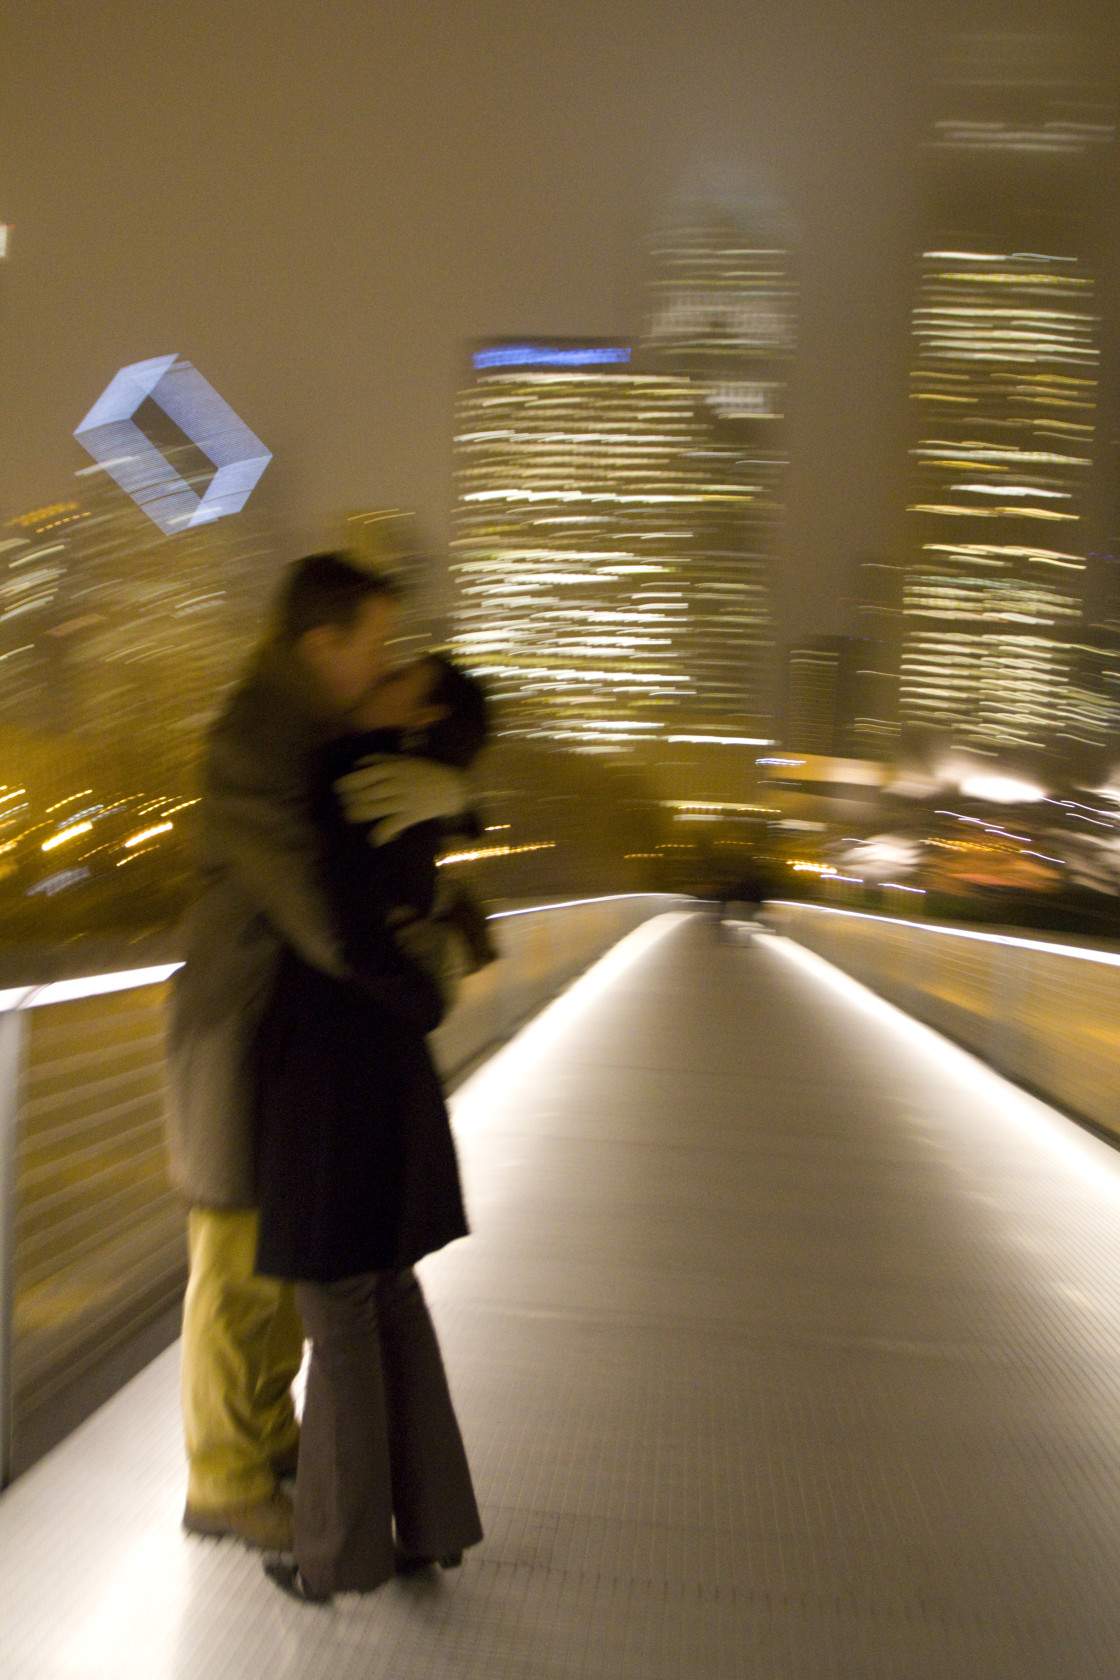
[1007, 337]
[875, 725]
[721, 314]
[36, 574]
[160, 626]
[576, 478]
[616, 513]
[824, 683]
[118, 643]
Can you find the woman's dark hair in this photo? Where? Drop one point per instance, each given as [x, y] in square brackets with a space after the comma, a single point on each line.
[458, 738]
[325, 589]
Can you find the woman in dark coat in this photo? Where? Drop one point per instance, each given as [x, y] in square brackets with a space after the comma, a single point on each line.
[357, 1180]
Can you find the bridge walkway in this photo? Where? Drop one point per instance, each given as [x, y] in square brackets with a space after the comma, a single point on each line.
[787, 1345]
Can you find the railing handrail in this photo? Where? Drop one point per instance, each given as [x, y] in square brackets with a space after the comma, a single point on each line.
[126, 979]
[1110, 959]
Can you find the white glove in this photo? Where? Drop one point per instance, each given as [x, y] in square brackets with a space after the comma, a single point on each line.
[394, 792]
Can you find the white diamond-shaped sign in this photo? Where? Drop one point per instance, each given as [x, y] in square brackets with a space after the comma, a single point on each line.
[144, 472]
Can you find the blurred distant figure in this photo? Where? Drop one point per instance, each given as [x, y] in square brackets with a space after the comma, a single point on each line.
[242, 1337]
[747, 894]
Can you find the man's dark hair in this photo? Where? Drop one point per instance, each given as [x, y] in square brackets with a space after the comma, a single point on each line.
[326, 589]
[458, 738]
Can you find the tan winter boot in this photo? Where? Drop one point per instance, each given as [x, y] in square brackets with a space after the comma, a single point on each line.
[265, 1525]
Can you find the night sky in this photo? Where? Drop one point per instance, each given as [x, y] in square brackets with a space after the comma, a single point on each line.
[318, 203]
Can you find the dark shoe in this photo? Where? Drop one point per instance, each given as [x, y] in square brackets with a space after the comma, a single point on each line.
[407, 1563]
[284, 1572]
[265, 1525]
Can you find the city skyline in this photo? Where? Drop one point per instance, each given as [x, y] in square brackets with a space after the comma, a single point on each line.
[485, 182]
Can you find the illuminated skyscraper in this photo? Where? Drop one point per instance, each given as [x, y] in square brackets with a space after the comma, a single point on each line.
[36, 574]
[118, 641]
[1006, 332]
[721, 314]
[825, 684]
[879, 596]
[159, 627]
[617, 510]
[571, 474]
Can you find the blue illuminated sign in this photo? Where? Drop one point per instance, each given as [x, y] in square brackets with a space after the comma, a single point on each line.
[539, 355]
[143, 471]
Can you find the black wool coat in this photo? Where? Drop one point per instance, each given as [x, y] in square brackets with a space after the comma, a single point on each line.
[355, 1163]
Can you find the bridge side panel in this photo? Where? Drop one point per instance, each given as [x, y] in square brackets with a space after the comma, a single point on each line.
[1049, 1019]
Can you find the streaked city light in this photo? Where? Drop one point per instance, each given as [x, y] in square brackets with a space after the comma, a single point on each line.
[67, 834]
[147, 834]
[1002, 790]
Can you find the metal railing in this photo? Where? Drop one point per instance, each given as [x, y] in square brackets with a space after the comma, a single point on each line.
[1044, 1011]
[92, 1234]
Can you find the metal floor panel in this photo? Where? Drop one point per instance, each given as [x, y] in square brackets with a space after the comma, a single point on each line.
[787, 1346]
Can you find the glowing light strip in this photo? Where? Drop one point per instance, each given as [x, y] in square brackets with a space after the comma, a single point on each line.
[97, 985]
[726, 740]
[94, 985]
[536, 355]
[495, 851]
[1110, 959]
[570, 904]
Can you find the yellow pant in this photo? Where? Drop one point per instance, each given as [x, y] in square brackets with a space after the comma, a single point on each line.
[242, 1345]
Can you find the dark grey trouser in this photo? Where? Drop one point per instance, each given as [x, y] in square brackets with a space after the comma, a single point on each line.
[379, 1441]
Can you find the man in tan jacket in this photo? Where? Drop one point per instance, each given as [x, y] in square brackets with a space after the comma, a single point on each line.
[242, 1340]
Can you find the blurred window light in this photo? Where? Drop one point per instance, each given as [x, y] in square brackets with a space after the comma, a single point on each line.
[1013, 490]
[59, 882]
[111, 434]
[744, 399]
[70, 797]
[963, 256]
[723, 740]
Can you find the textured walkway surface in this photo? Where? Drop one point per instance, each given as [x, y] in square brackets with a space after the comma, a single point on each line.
[787, 1345]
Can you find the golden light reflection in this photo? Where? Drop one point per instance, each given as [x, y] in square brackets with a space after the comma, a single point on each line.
[67, 834]
[147, 834]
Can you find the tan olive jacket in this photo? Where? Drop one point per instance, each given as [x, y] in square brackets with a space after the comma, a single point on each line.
[258, 860]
